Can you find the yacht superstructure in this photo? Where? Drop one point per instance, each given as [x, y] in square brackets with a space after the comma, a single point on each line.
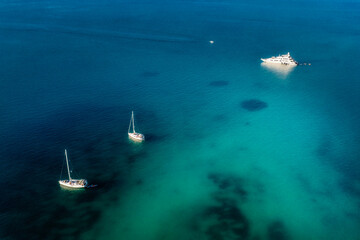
[285, 59]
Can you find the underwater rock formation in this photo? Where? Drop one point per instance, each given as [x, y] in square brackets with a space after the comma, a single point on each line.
[253, 105]
[277, 231]
[231, 184]
[230, 223]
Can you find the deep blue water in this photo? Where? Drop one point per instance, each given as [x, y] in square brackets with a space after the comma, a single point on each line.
[71, 72]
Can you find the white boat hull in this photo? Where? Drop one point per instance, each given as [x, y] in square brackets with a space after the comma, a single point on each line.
[137, 137]
[282, 63]
[74, 183]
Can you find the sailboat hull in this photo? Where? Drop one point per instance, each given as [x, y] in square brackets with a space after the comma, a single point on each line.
[74, 183]
[137, 137]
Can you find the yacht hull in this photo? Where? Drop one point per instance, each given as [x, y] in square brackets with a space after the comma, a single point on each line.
[73, 184]
[282, 63]
[137, 137]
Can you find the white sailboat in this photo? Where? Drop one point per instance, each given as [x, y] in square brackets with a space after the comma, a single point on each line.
[137, 137]
[72, 183]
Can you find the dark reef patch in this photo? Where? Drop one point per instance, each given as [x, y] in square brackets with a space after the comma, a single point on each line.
[230, 222]
[224, 219]
[150, 74]
[351, 186]
[218, 83]
[253, 105]
[277, 231]
[55, 224]
[230, 184]
[346, 164]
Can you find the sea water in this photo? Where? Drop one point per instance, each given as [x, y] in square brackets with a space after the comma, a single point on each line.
[72, 72]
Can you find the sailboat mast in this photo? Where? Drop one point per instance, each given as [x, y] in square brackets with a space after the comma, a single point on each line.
[130, 124]
[132, 116]
[67, 164]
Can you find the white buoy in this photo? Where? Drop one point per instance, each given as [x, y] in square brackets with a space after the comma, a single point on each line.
[211, 42]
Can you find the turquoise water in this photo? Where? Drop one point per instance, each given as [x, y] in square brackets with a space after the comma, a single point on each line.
[209, 169]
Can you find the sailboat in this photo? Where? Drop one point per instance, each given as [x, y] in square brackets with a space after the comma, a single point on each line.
[138, 137]
[72, 183]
